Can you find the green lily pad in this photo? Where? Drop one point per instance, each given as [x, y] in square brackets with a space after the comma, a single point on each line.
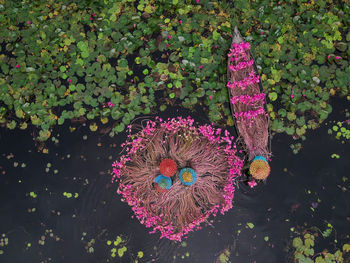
[273, 96]
[93, 127]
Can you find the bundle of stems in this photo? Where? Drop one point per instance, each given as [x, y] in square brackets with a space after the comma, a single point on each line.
[182, 208]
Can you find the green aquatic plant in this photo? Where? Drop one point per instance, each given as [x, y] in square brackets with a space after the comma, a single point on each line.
[70, 195]
[4, 241]
[303, 248]
[89, 247]
[341, 130]
[118, 246]
[33, 195]
[109, 62]
[296, 147]
[224, 257]
[83, 71]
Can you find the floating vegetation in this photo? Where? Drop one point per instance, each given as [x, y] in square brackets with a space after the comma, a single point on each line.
[109, 62]
[118, 247]
[224, 257]
[70, 195]
[341, 130]
[334, 155]
[89, 247]
[303, 248]
[4, 241]
[33, 194]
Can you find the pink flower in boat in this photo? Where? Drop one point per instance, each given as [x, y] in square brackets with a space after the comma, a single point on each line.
[110, 104]
[18, 66]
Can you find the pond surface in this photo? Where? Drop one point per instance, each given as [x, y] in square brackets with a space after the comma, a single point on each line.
[60, 206]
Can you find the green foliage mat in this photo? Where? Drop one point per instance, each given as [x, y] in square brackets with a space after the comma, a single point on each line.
[109, 61]
[302, 250]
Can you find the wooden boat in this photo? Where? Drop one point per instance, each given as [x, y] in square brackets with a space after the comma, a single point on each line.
[247, 101]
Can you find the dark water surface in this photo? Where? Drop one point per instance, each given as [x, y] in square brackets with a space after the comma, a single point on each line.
[66, 227]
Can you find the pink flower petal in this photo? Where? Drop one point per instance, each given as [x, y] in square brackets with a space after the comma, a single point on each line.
[252, 184]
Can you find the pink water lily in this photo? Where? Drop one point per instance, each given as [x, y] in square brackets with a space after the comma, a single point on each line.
[252, 184]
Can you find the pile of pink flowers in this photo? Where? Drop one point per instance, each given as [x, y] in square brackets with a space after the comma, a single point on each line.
[138, 142]
[248, 100]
